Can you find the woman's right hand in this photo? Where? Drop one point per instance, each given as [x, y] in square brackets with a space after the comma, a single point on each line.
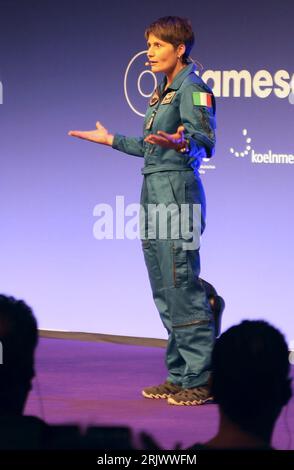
[100, 135]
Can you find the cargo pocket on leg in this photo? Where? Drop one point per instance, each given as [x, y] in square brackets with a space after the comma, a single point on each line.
[180, 264]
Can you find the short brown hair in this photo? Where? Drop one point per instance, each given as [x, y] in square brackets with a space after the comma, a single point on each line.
[174, 30]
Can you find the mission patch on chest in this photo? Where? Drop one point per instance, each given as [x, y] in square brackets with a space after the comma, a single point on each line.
[154, 98]
[168, 97]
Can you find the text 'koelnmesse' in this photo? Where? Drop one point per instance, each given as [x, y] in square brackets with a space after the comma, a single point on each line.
[272, 158]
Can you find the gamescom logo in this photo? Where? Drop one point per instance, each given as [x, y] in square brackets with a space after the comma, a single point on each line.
[139, 83]
[264, 158]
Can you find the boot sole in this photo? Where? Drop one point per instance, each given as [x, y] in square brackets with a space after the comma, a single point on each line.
[171, 401]
[157, 396]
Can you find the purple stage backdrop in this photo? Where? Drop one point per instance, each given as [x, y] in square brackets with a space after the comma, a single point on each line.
[64, 65]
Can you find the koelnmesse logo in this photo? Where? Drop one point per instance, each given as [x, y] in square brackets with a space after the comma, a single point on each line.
[256, 157]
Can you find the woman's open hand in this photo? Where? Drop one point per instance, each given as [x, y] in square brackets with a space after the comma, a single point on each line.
[100, 135]
[170, 141]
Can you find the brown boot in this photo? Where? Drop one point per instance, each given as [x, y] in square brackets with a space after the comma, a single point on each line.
[165, 390]
[191, 396]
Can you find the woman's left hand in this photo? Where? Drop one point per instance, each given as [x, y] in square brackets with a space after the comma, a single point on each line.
[169, 141]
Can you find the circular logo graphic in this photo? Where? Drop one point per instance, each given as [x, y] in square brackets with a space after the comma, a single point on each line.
[138, 84]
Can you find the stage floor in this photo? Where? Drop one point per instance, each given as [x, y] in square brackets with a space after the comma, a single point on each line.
[97, 383]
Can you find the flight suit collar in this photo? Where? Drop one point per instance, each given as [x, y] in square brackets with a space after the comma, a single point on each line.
[179, 78]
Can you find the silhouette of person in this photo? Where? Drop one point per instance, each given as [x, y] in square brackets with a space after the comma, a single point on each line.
[250, 383]
[19, 338]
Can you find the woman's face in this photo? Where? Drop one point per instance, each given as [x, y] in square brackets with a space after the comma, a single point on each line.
[163, 57]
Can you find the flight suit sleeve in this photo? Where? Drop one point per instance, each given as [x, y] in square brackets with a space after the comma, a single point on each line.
[130, 145]
[198, 121]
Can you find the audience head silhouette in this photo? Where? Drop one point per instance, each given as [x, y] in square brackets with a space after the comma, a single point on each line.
[18, 337]
[250, 377]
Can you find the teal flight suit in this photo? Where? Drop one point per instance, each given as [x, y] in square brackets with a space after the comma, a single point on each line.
[171, 177]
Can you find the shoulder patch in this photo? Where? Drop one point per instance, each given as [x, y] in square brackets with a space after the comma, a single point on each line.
[202, 99]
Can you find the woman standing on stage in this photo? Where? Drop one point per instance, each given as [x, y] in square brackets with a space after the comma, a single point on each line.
[178, 132]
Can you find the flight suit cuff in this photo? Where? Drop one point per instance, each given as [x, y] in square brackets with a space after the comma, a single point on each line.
[117, 142]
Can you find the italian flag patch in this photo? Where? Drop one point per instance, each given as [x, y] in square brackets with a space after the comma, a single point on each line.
[202, 99]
